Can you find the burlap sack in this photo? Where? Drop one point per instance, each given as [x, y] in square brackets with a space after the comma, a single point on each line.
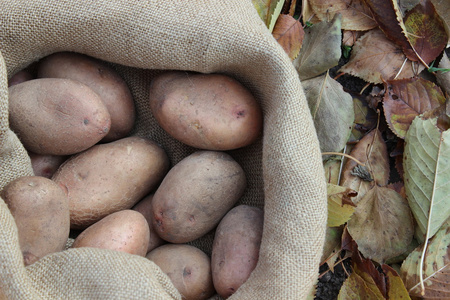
[139, 38]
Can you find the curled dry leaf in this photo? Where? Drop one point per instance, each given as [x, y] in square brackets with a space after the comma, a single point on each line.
[396, 287]
[407, 98]
[436, 267]
[340, 205]
[365, 118]
[374, 58]
[289, 34]
[349, 37]
[321, 49]
[426, 159]
[425, 31]
[389, 19]
[332, 111]
[370, 150]
[355, 13]
[332, 169]
[382, 224]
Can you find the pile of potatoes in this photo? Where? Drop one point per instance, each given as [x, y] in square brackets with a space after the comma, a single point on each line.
[75, 115]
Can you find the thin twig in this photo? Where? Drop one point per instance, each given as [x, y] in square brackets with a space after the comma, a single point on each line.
[346, 155]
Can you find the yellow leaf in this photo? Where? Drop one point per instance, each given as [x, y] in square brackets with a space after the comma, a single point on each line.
[340, 206]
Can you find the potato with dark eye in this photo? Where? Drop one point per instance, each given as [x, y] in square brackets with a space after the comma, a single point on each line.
[206, 111]
[102, 79]
[41, 211]
[188, 268]
[57, 116]
[195, 194]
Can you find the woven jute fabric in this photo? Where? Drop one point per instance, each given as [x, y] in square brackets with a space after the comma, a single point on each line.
[140, 39]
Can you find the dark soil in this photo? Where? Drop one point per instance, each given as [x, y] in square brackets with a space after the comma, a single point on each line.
[330, 283]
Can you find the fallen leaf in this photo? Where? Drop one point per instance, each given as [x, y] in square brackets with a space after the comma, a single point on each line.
[443, 78]
[443, 9]
[331, 247]
[365, 118]
[382, 224]
[340, 205]
[349, 37]
[388, 17]
[356, 288]
[374, 58]
[425, 31]
[400, 258]
[332, 111]
[436, 267]
[405, 5]
[407, 98]
[308, 14]
[355, 13]
[396, 287]
[268, 10]
[321, 49]
[426, 159]
[372, 151]
[289, 34]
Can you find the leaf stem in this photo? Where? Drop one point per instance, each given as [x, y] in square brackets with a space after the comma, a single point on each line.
[346, 155]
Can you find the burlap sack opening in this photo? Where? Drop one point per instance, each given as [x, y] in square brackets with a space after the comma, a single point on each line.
[141, 38]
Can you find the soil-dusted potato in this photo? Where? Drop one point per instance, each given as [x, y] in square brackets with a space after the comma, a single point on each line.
[20, 77]
[195, 194]
[206, 111]
[144, 206]
[110, 177]
[236, 246]
[101, 78]
[41, 211]
[46, 165]
[57, 116]
[125, 230]
[188, 268]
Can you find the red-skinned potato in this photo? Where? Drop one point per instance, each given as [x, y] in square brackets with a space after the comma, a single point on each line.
[195, 194]
[125, 230]
[46, 165]
[206, 111]
[110, 177]
[145, 208]
[57, 116]
[102, 79]
[20, 77]
[41, 211]
[236, 246]
[188, 268]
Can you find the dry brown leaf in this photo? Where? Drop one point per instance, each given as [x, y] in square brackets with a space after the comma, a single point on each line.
[396, 287]
[349, 37]
[289, 33]
[308, 14]
[382, 224]
[443, 79]
[355, 13]
[372, 151]
[374, 58]
[443, 9]
[405, 99]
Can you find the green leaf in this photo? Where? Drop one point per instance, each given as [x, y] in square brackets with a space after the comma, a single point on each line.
[276, 13]
[268, 10]
[321, 48]
[332, 111]
[426, 161]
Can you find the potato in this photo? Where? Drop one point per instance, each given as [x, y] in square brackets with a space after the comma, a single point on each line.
[188, 268]
[195, 194]
[41, 211]
[20, 77]
[57, 116]
[206, 111]
[125, 230]
[102, 79]
[144, 206]
[110, 177]
[46, 165]
[236, 246]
